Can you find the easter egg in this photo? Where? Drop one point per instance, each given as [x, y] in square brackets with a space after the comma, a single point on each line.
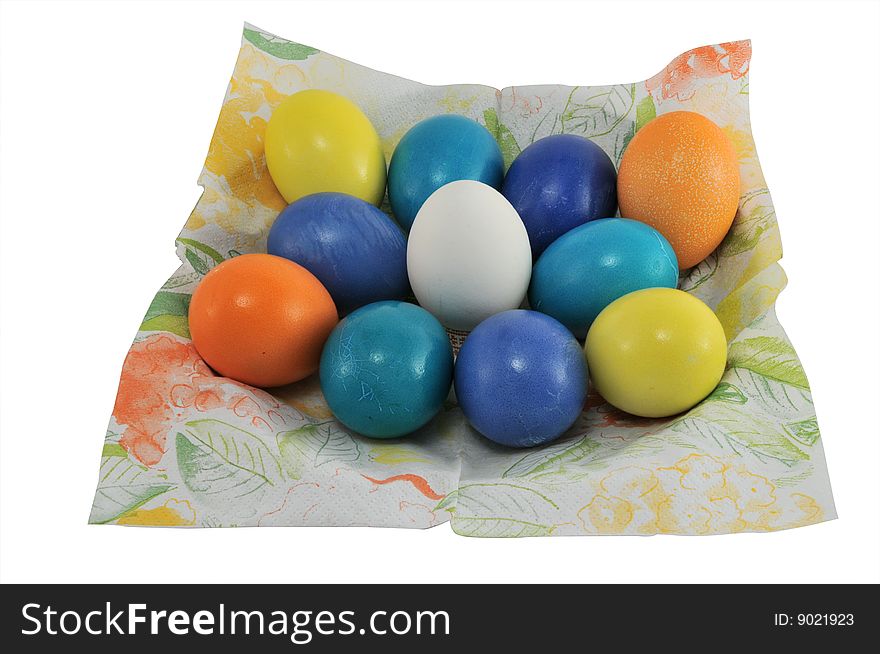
[386, 369]
[468, 254]
[679, 174]
[521, 378]
[586, 269]
[319, 141]
[435, 152]
[558, 183]
[261, 320]
[357, 252]
[656, 352]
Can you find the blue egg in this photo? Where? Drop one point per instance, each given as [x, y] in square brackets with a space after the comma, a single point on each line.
[558, 183]
[585, 270]
[355, 250]
[386, 369]
[521, 378]
[435, 152]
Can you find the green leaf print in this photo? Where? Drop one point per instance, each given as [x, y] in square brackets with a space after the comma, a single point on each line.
[730, 428]
[316, 445]
[221, 463]
[180, 279]
[174, 324]
[166, 303]
[699, 274]
[509, 147]
[645, 112]
[200, 256]
[778, 397]
[168, 312]
[198, 262]
[123, 485]
[770, 357]
[756, 217]
[726, 392]
[599, 113]
[279, 47]
[498, 528]
[498, 510]
[804, 431]
[552, 457]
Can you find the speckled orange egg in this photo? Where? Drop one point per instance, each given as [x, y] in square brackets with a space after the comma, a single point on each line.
[679, 174]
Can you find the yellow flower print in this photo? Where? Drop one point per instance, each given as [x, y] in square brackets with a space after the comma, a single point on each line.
[684, 513]
[453, 102]
[699, 494]
[809, 509]
[327, 72]
[702, 475]
[606, 515]
[726, 516]
[750, 173]
[630, 500]
[749, 492]
[631, 481]
[173, 513]
[235, 156]
[236, 151]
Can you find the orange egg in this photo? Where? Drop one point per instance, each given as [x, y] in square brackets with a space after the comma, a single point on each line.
[679, 174]
[261, 320]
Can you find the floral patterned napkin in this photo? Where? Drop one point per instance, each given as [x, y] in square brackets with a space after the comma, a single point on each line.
[188, 448]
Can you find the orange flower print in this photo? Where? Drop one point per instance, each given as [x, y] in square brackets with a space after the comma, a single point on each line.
[155, 371]
[676, 80]
[164, 380]
[525, 105]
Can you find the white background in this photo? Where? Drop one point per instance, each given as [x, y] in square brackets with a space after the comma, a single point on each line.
[107, 111]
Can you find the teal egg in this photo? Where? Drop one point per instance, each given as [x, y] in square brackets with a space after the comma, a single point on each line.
[435, 152]
[586, 269]
[386, 369]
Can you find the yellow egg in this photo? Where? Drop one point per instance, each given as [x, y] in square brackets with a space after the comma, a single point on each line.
[656, 352]
[319, 141]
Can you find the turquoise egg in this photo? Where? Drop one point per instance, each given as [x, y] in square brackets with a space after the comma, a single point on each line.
[386, 369]
[435, 152]
[586, 269]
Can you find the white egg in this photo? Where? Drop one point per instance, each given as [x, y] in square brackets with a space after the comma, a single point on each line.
[468, 254]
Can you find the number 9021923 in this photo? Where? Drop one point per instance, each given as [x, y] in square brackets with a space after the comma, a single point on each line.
[814, 619]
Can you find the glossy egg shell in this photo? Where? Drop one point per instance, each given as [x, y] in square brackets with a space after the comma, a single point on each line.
[386, 369]
[586, 269]
[680, 175]
[558, 183]
[320, 141]
[656, 352]
[356, 251]
[521, 378]
[468, 255]
[437, 151]
[261, 320]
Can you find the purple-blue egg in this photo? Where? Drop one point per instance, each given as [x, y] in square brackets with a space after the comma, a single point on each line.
[356, 251]
[558, 183]
[586, 269]
[521, 378]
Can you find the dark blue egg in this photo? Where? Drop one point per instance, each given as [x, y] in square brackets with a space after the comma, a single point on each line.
[521, 378]
[386, 369]
[437, 151]
[355, 250]
[558, 183]
[586, 269]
